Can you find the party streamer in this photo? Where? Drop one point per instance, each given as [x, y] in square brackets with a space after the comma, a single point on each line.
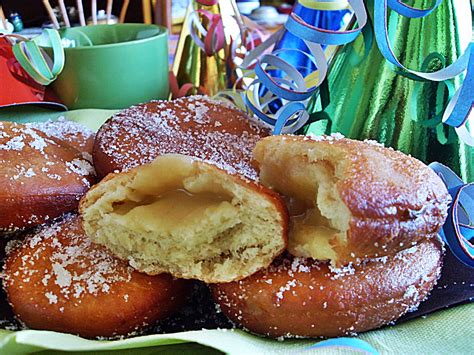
[353, 344]
[36, 62]
[458, 229]
[294, 91]
[458, 110]
[212, 40]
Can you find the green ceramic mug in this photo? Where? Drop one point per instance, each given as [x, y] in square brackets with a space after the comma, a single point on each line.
[112, 66]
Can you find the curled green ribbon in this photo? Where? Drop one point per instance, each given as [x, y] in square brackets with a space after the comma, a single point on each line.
[36, 62]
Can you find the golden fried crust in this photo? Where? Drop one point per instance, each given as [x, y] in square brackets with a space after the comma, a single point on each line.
[300, 297]
[196, 126]
[41, 177]
[394, 199]
[59, 280]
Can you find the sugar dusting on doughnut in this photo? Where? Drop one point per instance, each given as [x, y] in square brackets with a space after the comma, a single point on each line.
[73, 133]
[61, 128]
[196, 126]
[23, 137]
[41, 176]
[59, 280]
[71, 250]
[298, 297]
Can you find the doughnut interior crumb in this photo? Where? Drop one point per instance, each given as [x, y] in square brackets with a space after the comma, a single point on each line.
[185, 217]
[319, 219]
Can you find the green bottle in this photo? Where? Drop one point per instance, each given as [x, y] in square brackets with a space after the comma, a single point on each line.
[370, 99]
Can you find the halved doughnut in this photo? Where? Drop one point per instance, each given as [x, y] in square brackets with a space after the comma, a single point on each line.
[59, 280]
[40, 177]
[186, 217]
[299, 297]
[351, 200]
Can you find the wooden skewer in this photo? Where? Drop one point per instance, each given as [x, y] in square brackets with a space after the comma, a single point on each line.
[51, 14]
[80, 9]
[167, 17]
[64, 14]
[146, 8]
[163, 13]
[3, 20]
[123, 11]
[109, 10]
[94, 12]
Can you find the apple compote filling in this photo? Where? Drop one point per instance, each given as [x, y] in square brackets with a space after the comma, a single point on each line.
[319, 219]
[186, 217]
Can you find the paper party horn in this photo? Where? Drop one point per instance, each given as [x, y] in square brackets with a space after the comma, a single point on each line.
[373, 99]
[203, 57]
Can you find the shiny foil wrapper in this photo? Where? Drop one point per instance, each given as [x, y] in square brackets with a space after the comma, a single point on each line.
[331, 20]
[208, 74]
[368, 98]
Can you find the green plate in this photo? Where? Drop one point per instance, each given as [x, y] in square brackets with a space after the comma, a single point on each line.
[92, 118]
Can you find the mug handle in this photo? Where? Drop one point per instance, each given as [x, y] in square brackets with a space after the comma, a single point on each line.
[80, 34]
[37, 63]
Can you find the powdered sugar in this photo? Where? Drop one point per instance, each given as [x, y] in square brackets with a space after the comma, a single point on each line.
[284, 288]
[16, 143]
[31, 163]
[78, 268]
[62, 129]
[38, 142]
[341, 271]
[372, 142]
[52, 298]
[411, 293]
[196, 126]
[325, 138]
[298, 265]
[80, 167]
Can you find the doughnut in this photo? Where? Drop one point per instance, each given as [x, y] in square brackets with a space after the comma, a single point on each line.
[41, 177]
[298, 297]
[351, 200]
[196, 126]
[59, 280]
[75, 134]
[186, 217]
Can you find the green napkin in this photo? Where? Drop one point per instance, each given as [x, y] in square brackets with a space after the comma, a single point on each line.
[444, 332]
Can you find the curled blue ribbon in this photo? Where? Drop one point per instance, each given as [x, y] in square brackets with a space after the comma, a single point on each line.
[348, 343]
[289, 88]
[458, 229]
[458, 109]
[290, 91]
[409, 11]
[381, 35]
